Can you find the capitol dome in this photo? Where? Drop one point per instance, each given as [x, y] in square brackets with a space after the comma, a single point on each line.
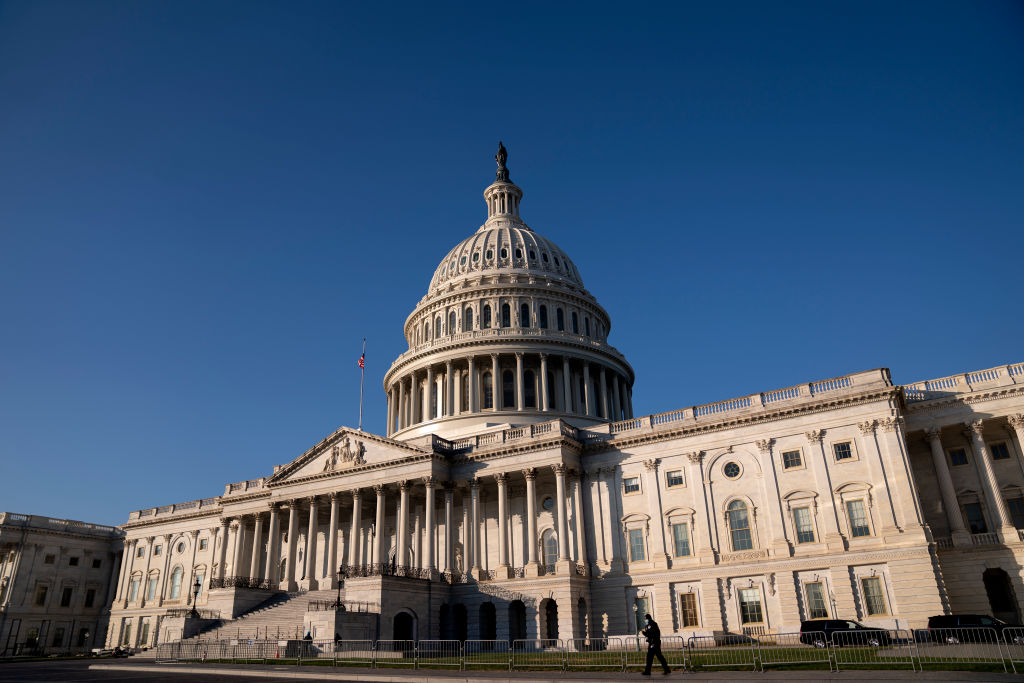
[506, 335]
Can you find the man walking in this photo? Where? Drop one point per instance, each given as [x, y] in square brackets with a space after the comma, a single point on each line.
[653, 635]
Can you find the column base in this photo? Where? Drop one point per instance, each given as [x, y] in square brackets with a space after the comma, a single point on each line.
[503, 571]
[565, 568]
[309, 584]
[835, 542]
[532, 570]
[660, 560]
[288, 585]
[961, 539]
[781, 548]
[330, 582]
[1008, 534]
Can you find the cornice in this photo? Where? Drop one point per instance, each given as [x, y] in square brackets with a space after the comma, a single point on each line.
[508, 450]
[963, 399]
[215, 513]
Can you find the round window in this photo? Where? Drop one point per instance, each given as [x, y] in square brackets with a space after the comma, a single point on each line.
[181, 547]
[490, 254]
[731, 469]
[548, 504]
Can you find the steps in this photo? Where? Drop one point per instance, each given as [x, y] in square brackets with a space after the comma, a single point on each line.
[279, 618]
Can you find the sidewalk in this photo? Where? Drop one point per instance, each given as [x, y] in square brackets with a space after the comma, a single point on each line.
[361, 675]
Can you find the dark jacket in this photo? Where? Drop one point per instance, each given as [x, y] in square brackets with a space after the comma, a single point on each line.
[652, 633]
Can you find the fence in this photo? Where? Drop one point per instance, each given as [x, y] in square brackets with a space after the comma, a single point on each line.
[985, 649]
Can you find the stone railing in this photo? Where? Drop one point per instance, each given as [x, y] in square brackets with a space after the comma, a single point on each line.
[384, 569]
[471, 443]
[744, 556]
[67, 525]
[344, 606]
[944, 542]
[241, 582]
[177, 508]
[1004, 375]
[195, 614]
[240, 487]
[989, 538]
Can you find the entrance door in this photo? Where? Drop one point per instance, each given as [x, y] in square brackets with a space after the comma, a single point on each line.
[551, 619]
[403, 624]
[1001, 597]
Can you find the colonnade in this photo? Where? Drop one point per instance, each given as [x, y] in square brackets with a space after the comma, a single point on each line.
[509, 381]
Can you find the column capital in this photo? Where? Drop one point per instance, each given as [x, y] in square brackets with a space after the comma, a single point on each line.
[530, 474]
[213, 530]
[272, 506]
[867, 427]
[974, 428]
[430, 482]
[333, 496]
[357, 494]
[192, 534]
[493, 356]
[449, 487]
[559, 469]
[765, 445]
[695, 457]
[932, 433]
[543, 356]
[890, 424]
[312, 500]
[575, 474]
[167, 538]
[1017, 421]
[378, 489]
[501, 478]
[815, 435]
[235, 524]
[651, 465]
[474, 484]
[257, 516]
[224, 522]
[519, 355]
[404, 485]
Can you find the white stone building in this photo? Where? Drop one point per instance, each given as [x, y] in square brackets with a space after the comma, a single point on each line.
[516, 495]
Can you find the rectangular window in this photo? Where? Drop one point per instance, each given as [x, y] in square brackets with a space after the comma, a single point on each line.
[203, 544]
[1016, 507]
[90, 597]
[858, 518]
[874, 600]
[97, 563]
[49, 559]
[157, 549]
[643, 608]
[803, 524]
[843, 451]
[816, 608]
[636, 545]
[144, 636]
[631, 485]
[674, 478]
[41, 596]
[127, 637]
[791, 459]
[141, 552]
[151, 588]
[750, 606]
[58, 637]
[134, 592]
[688, 610]
[65, 596]
[681, 539]
[957, 456]
[1000, 451]
[72, 561]
[975, 518]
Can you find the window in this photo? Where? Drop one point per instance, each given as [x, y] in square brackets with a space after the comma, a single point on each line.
[543, 313]
[451, 323]
[141, 552]
[524, 315]
[731, 470]
[203, 544]
[151, 588]
[127, 632]
[674, 478]
[688, 610]
[560, 320]
[508, 390]
[739, 526]
[816, 608]
[437, 327]
[506, 316]
[586, 325]
[181, 547]
[874, 600]
[488, 391]
[999, 450]
[476, 256]
[575, 323]
[1016, 507]
[467, 320]
[548, 503]
[750, 606]
[791, 460]
[631, 485]
[485, 324]
[144, 636]
[957, 456]
[133, 593]
[58, 636]
[858, 518]
[97, 563]
[975, 518]
[3, 592]
[90, 597]
[157, 549]
[641, 608]
[636, 545]
[176, 583]
[529, 390]
[803, 525]
[49, 559]
[72, 561]
[681, 539]
[489, 255]
[65, 596]
[843, 451]
[41, 595]
[550, 545]
[519, 252]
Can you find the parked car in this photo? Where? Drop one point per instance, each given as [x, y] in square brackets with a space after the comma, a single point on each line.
[851, 633]
[953, 628]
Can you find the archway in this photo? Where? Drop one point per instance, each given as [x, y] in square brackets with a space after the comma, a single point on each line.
[461, 626]
[582, 630]
[1001, 597]
[517, 620]
[488, 622]
[403, 627]
[445, 622]
[550, 625]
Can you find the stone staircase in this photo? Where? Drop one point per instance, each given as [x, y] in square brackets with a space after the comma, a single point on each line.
[278, 618]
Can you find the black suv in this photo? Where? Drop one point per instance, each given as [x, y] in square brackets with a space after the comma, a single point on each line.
[850, 633]
[953, 628]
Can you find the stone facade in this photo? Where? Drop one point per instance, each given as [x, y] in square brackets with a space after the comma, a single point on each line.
[56, 579]
[515, 495]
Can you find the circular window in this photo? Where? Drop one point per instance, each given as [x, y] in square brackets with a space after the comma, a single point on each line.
[462, 261]
[731, 469]
[181, 547]
[490, 254]
[548, 504]
[476, 257]
[504, 253]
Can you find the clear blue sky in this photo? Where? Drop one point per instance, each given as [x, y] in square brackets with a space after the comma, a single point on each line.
[204, 207]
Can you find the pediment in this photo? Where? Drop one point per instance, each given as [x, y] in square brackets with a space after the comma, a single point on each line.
[344, 451]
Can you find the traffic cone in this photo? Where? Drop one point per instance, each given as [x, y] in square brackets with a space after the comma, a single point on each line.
[277, 655]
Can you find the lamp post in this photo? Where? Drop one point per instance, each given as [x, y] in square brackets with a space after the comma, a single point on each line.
[341, 579]
[196, 587]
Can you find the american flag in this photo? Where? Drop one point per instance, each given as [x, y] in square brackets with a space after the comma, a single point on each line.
[362, 361]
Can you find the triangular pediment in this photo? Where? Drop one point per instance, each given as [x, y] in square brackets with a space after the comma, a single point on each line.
[344, 451]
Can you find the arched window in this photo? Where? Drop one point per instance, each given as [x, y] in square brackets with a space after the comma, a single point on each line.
[176, 583]
[451, 323]
[464, 394]
[586, 325]
[739, 526]
[560, 319]
[486, 324]
[488, 391]
[437, 327]
[508, 390]
[550, 547]
[467, 320]
[426, 331]
[524, 315]
[529, 390]
[553, 394]
[575, 323]
[506, 316]
[543, 317]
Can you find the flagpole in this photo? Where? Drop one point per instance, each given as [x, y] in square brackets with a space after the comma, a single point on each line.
[362, 374]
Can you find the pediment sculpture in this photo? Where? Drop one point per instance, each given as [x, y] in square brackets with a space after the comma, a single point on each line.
[351, 453]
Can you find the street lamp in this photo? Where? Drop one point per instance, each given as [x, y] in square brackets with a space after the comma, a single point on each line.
[196, 587]
[341, 578]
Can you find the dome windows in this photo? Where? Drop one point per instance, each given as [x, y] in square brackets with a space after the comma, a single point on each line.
[489, 255]
[476, 256]
[462, 261]
[506, 316]
[488, 384]
[543, 315]
[504, 252]
[467, 320]
[524, 315]
[485, 323]
[451, 323]
[451, 266]
[544, 256]
[519, 253]
[560, 319]
[731, 470]
[556, 262]
[533, 255]
[575, 323]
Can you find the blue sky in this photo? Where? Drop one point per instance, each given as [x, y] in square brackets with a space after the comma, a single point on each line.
[205, 206]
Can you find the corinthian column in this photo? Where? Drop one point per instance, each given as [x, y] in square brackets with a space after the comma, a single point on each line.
[563, 527]
[402, 540]
[975, 433]
[532, 566]
[430, 484]
[273, 547]
[355, 543]
[378, 535]
[472, 387]
[545, 404]
[496, 384]
[332, 540]
[957, 528]
[222, 549]
[520, 400]
[474, 492]
[309, 566]
[293, 545]
[502, 481]
[257, 545]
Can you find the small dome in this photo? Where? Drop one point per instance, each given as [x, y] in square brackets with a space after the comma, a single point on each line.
[495, 250]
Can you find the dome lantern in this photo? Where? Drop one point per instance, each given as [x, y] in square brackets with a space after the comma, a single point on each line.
[503, 195]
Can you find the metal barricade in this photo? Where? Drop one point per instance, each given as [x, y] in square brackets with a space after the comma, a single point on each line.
[1013, 644]
[593, 653]
[809, 648]
[353, 653]
[538, 653]
[487, 654]
[727, 650]
[320, 652]
[394, 653]
[439, 653]
[875, 648]
[167, 652]
[953, 647]
[633, 648]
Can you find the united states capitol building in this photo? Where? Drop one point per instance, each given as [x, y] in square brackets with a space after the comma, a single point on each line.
[516, 495]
